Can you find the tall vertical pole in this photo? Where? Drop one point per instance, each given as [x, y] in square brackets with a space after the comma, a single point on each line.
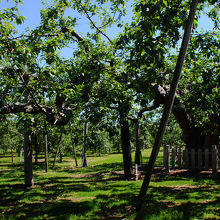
[168, 106]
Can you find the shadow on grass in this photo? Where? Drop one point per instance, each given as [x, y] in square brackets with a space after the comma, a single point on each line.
[105, 167]
[53, 204]
[57, 209]
[186, 210]
[197, 176]
[102, 194]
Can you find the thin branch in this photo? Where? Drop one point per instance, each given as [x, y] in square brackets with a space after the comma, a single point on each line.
[140, 113]
[93, 23]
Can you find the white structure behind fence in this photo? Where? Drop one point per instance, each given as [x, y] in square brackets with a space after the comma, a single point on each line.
[176, 157]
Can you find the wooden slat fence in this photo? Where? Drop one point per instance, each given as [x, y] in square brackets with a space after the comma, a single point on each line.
[177, 157]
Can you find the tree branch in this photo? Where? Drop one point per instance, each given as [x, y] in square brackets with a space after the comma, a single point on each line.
[52, 116]
[94, 25]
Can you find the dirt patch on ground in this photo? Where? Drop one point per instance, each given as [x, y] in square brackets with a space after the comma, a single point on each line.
[160, 172]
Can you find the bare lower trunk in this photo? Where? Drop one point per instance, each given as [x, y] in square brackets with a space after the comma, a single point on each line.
[28, 167]
[126, 148]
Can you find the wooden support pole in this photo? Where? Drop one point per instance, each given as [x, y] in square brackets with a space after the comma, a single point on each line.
[168, 106]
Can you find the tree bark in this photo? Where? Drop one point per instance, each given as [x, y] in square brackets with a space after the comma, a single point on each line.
[74, 154]
[168, 106]
[60, 154]
[126, 148]
[59, 118]
[28, 167]
[193, 136]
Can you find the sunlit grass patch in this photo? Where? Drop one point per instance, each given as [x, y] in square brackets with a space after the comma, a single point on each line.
[98, 191]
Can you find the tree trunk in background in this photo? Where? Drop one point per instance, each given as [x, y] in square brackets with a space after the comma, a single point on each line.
[126, 148]
[193, 136]
[138, 149]
[74, 154]
[169, 104]
[73, 145]
[45, 153]
[28, 167]
[12, 155]
[60, 154]
[36, 148]
[58, 148]
[85, 132]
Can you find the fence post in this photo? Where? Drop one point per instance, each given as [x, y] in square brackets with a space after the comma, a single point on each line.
[173, 157]
[186, 158]
[166, 157]
[137, 174]
[21, 152]
[206, 159]
[214, 159]
[193, 158]
[179, 157]
[200, 158]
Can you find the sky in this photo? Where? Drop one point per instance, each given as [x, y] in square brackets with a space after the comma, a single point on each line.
[31, 11]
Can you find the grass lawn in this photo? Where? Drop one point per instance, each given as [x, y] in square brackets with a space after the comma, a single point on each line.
[99, 192]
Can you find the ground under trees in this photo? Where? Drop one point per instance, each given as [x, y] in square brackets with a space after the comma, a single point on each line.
[99, 192]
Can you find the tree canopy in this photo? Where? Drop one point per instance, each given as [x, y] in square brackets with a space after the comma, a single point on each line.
[123, 74]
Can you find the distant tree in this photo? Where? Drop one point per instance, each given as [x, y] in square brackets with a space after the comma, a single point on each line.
[10, 136]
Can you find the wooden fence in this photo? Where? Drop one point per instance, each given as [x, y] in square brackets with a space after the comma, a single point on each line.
[177, 157]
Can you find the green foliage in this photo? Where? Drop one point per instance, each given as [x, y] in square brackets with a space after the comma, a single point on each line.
[10, 136]
[201, 80]
[104, 72]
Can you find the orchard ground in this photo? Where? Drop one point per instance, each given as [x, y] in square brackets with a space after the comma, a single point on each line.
[98, 191]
